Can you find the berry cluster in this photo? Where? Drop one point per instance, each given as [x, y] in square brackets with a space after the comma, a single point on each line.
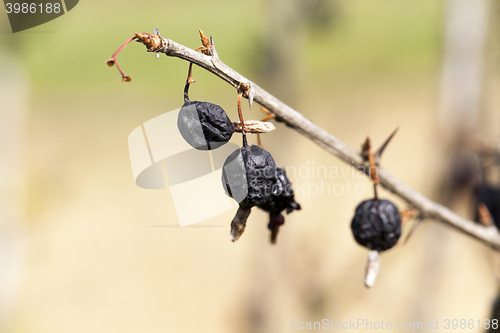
[249, 175]
[254, 180]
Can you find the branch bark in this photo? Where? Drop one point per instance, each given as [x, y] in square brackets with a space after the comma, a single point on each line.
[426, 207]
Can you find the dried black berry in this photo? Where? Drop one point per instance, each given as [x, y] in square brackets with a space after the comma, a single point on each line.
[490, 197]
[255, 175]
[204, 125]
[282, 199]
[376, 224]
[249, 176]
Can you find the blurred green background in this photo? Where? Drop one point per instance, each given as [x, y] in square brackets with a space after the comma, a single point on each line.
[96, 253]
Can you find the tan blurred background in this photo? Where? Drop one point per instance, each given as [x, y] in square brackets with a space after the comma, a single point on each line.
[86, 250]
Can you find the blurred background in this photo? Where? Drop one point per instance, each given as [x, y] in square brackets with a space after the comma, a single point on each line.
[83, 249]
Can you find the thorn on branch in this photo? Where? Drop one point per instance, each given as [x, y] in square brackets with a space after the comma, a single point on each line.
[157, 32]
[407, 214]
[380, 150]
[484, 215]
[214, 50]
[414, 227]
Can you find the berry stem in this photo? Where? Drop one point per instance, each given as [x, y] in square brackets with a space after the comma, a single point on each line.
[242, 122]
[375, 191]
[240, 114]
[189, 80]
[245, 142]
[373, 167]
[113, 61]
[269, 116]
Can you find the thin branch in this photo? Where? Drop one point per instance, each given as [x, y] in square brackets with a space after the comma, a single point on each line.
[426, 207]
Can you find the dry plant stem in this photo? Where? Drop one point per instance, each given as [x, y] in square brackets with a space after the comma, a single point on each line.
[189, 80]
[381, 149]
[245, 141]
[239, 223]
[368, 154]
[259, 142]
[269, 116]
[373, 168]
[375, 193]
[372, 268]
[254, 126]
[426, 207]
[113, 61]
[240, 114]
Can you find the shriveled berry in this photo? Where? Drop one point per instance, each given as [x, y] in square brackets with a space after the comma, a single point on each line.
[255, 174]
[204, 125]
[282, 199]
[249, 176]
[376, 224]
[490, 197]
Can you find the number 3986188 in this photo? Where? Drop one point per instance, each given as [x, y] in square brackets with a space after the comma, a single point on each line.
[32, 8]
